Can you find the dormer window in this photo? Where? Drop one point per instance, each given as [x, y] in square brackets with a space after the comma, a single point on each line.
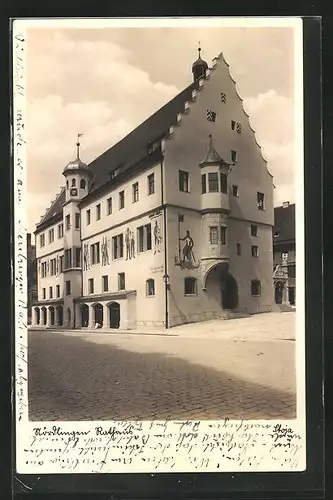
[152, 147]
[82, 184]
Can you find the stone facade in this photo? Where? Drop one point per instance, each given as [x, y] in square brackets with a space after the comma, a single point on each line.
[184, 235]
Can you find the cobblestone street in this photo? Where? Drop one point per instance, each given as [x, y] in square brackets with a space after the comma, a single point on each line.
[110, 376]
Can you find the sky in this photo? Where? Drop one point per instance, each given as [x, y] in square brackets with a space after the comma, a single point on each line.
[104, 82]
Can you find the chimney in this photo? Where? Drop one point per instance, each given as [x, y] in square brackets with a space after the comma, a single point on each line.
[285, 204]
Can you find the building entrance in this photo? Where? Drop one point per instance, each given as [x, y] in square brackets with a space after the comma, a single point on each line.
[114, 312]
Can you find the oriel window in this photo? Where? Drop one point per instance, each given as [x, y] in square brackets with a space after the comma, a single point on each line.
[213, 182]
[223, 230]
[224, 183]
[203, 184]
[213, 235]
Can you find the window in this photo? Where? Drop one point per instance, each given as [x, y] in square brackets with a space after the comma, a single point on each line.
[255, 288]
[233, 156]
[151, 184]
[223, 235]
[144, 238]
[44, 293]
[203, 184]
[51, 235]
[213, 235]
[73, 182]
[82, 184]
[105, 283]
[53, 265]
[235, 191]
[135, 192]
[190, 286]
[121, 281]
[213, 182]
[255, 251]
[109, 206]
[68, 222]
[50, 292]
[223, 97]
[61, 261]
[260, 201]
[95, 253]
[233, 125]
[77, 257]
[98, 211]
[67, 184]
[88, 217]
[118, 246]
[60, 231]
[150, 288]
[121, 200]
[42, 240]
[238, 128]
[91, 285]
[68, 287]
[254, 230]
[58, 290]
[77, 221]
[68, 258]
[43, 269]
[184, 181]
[239, 249]
[224, 183]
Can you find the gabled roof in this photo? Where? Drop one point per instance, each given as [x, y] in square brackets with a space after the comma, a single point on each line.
[55, 209]
[131, 150]
[284, 227]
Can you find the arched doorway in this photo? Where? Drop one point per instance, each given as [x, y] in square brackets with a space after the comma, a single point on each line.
[84, 315]
[60, 315]
[229, 292]
[37, 315]
[51, 311]
[98, 308]
[114, 315]
[44, 316]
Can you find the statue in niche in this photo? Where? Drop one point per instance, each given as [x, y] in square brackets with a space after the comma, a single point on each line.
[130, 244]
[157, 237]
[86, 256]
[105, 251]
[186, 258]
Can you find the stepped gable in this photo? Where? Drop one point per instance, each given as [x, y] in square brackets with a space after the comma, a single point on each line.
[133, 148]
[284, 227]
[55, 208]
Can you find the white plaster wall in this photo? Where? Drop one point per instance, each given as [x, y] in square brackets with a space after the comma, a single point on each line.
[49, 280]
[146, 265]
[48, 248]
[118, 217]
[188, 144]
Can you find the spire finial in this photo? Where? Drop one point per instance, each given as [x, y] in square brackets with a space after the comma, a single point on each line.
[78, 146]
[199, 49]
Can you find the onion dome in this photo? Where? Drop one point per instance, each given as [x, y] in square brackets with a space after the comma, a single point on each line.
[199, 67]
[77, 164]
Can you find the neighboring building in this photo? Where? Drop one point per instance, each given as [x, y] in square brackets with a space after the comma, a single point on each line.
[171, 225]
[284, 248]
[32, 276]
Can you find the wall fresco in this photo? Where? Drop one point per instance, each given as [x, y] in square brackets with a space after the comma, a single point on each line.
[186, 257]
[105, 251]
[130, 244]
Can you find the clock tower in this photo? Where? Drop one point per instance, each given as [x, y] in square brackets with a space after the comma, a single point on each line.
[78, 180]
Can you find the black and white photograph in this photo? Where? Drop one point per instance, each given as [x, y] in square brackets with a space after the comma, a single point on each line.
[161, 195]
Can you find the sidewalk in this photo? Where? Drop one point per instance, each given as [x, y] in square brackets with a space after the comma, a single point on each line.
[264, 327]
